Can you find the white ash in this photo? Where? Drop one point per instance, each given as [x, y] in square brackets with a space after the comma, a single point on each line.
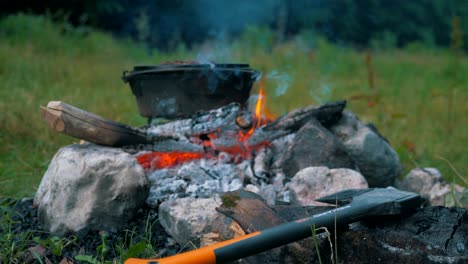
[199, 179]
[205, 177]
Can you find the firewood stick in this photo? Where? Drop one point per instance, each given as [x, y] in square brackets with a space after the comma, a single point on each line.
[70, 120]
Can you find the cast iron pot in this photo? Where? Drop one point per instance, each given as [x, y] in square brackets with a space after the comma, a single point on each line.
[180, 90]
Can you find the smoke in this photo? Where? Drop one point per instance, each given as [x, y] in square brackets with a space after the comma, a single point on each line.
[232, 17]
[323, 94]
[282, 79]
[218, 51]
[192, 22]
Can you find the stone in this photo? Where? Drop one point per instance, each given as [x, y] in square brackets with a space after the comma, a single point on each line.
[189, 219]
[268, 192]
[90, 187]
[428, 182]
[279, 149]
[377, 160]
[312, 183]
[315, 146]
[261, 164]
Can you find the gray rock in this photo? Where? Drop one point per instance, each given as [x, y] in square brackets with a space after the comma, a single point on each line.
[261, 164]
[279, 147]
[429, 184]
[312, 183]
[268, 193]
[315, 146]
[188, 219]
[90, 187]
[376, 159]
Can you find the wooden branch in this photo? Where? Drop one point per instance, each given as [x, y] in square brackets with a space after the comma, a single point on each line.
[70, 120]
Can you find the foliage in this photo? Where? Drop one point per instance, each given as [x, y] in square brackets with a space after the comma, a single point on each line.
[316, 232]
[129, 245]
[102, 250]
[11, 243]
[314, 239]
[55, 244]
[165, 24]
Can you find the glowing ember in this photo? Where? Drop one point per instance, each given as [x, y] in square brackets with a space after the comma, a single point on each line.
[160, 160]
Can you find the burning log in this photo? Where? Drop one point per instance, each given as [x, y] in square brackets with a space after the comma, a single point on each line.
[203, 123]
[228, 129]
[231, 118]
[70, 120]
[326, 114]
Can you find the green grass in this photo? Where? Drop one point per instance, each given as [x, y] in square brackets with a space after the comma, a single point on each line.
[15, 241]
[42, 61]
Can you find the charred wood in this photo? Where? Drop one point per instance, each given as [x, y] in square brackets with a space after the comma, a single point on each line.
[70, 120]
[221, 119]
[326, 114]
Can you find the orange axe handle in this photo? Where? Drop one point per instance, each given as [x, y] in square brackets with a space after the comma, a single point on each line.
[204, 255]
[256, 242]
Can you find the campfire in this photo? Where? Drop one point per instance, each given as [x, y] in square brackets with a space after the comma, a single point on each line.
[202, 141]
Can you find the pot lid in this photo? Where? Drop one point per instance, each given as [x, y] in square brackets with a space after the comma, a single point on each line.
[161, 68]
[191, 65]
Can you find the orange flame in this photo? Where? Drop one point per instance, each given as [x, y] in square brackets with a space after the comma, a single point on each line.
[259, 117]
[260, 105]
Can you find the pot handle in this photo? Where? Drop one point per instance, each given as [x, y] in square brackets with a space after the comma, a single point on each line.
[125, 76]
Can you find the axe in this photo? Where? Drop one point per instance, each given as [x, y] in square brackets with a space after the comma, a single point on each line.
[355, 205]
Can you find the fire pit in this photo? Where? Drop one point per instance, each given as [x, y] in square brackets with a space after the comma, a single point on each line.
[177, 90]
[212, 144]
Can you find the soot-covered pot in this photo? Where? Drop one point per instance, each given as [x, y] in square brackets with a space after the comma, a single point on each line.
[178, 89]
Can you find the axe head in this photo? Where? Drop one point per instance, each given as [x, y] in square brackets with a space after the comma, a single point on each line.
[384, 201]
